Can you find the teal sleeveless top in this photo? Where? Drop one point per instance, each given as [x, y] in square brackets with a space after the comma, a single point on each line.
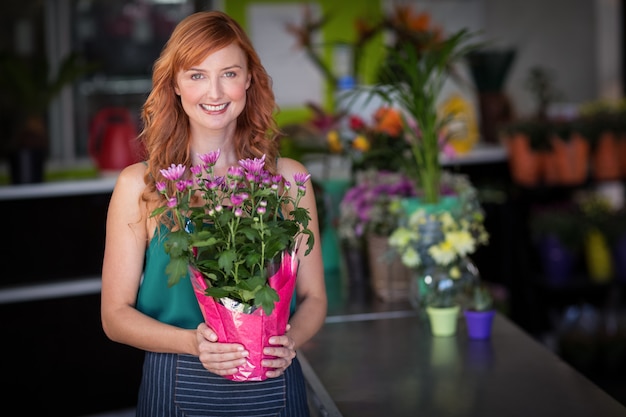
[176, 305]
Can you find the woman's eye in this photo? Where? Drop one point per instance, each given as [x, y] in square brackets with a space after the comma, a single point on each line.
[230, 74]
[196, 76]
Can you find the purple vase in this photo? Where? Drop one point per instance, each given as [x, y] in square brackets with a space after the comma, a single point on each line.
[479, 323]
[557, 260]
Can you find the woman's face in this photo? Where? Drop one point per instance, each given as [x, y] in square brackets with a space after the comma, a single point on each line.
[213, 92]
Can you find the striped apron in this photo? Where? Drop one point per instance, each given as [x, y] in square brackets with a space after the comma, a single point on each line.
[175, 385]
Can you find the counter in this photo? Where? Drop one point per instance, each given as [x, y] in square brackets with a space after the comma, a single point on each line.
[388, 364]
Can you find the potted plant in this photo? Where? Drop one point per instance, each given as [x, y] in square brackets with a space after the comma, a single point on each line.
[412, 79]
[442, 303]
[30, 87]
[368, 213]
[441, 239]
[479, 312]
[239, 247]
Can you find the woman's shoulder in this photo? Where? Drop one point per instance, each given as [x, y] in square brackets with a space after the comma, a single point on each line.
[131, 178]
[289, 166]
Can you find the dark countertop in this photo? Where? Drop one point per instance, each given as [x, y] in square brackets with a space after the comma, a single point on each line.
[387, 363]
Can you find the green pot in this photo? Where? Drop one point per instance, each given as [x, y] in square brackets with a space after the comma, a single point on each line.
[443, 320]
[445, 203]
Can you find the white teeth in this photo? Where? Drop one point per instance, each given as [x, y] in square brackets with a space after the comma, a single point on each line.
[208, 107]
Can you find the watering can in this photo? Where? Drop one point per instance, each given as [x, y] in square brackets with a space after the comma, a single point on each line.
[113, 141]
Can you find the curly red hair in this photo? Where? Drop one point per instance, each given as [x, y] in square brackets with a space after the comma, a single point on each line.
[165, 133]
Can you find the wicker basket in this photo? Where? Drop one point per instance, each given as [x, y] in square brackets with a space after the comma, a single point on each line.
[389, 277]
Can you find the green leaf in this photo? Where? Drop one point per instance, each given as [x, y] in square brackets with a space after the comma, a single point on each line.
[176, 269]
[226, 260]
[266, 297]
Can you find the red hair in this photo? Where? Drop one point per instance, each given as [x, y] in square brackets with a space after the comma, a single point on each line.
[165, 134]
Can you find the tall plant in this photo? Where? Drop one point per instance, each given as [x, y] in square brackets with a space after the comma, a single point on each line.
[413, 79]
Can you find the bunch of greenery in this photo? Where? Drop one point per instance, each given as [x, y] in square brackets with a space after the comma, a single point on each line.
[232, 228]
[413, 79]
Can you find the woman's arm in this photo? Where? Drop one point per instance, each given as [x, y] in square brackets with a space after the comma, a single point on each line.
[125, 246]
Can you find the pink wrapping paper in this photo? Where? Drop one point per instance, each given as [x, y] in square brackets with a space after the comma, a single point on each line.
[251, 330]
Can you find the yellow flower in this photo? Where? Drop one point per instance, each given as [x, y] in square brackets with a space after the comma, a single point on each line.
[361, 143]
[411, 258]
[442, 253]
[334, 142]
[462, 242]
[401, 237]
[454, 272]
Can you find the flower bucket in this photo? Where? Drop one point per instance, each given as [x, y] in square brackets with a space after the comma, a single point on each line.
[389, 278]
[252, 330]
[556, 259]
[443, 321]
[605, 158]
[479, 323]
[598, 257]
[525, 164]
[445, 203]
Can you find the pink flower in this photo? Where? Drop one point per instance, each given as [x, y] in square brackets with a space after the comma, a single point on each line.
[174, 172]
[253, 166]
[210, 158]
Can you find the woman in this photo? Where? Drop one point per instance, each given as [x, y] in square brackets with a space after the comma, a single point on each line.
[210, 92]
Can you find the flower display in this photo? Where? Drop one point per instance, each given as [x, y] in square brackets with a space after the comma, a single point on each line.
[443, 238]
[232, 228]
[372, 206]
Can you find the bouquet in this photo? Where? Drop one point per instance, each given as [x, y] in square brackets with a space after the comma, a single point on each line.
[238, 235]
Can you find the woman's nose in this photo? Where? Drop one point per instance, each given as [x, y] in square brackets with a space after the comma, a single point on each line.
[213, 88]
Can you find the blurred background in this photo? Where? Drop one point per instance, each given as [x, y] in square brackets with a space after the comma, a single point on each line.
[75, 73]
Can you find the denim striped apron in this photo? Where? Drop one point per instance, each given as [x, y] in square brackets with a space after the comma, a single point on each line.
[175, 385]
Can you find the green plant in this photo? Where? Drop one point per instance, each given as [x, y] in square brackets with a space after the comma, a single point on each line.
[480, 298]
[231, 228]
[413, 80]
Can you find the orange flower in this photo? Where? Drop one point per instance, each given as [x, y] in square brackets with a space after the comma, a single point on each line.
[388, 120]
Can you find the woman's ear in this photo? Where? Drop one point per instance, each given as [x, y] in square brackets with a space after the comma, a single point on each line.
[176, 90]
[249, 81]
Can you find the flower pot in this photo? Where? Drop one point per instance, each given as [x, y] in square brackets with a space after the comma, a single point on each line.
[556, 259]
[525, 164]
[389, 278]
[445, 203]
[443, 320]
[598, 257]
[605, 158]
[479, 323]
[571, 159]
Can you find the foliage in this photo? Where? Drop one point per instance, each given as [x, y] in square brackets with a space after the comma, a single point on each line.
[480, 298]
[231, 228]
[371, 205]
[443, 237]
[413, 79]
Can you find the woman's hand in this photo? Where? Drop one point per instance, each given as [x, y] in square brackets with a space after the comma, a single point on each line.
[284, 350]
[216, 357]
